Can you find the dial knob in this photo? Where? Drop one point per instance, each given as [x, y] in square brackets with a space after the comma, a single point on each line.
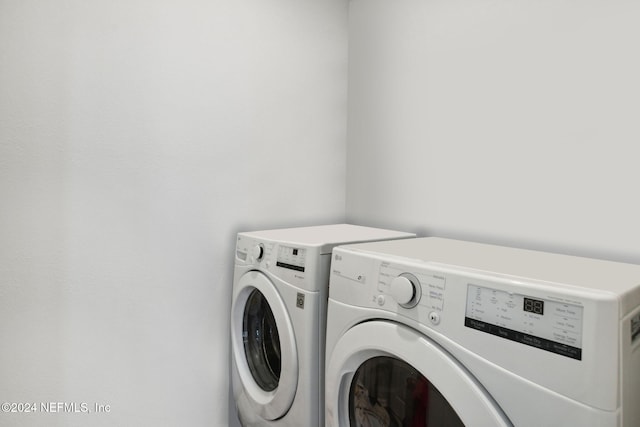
[406, 290]
[257, 252]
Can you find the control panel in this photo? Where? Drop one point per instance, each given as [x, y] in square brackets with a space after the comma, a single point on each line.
[264, 253]
[446, 299]
[549, 325]
[291, 258]
[292, 263]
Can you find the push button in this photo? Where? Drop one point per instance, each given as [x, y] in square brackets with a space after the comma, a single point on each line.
[434, 317]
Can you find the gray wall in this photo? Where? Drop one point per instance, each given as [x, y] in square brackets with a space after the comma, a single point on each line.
[498, 121]
[136, 139]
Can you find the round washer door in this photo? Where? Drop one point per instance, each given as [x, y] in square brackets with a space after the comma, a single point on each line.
[264, 346]
[381, 373]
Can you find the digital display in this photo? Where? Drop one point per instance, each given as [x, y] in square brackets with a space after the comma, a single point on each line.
[533, 306]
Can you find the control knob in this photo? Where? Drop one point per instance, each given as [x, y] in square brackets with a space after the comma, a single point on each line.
[257, 252]
[406, 290]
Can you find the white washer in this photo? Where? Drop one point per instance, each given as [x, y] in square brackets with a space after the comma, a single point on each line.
[278, 320]
[435, 332]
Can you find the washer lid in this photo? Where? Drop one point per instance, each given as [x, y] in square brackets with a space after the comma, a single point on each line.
[264, 346]
[370, 358]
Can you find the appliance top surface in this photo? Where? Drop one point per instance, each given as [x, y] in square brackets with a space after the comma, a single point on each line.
[609, 276]
[327, 236]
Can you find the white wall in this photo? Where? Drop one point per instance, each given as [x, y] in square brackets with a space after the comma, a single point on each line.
[498, 121]
[136, 139]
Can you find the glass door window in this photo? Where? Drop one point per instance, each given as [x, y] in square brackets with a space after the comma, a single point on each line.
[261, 341]
[388, 392]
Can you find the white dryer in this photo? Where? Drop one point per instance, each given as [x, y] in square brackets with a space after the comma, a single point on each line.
[437, 332]
[278, 320]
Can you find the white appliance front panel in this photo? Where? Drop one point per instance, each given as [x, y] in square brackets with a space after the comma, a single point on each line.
[361, 279]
